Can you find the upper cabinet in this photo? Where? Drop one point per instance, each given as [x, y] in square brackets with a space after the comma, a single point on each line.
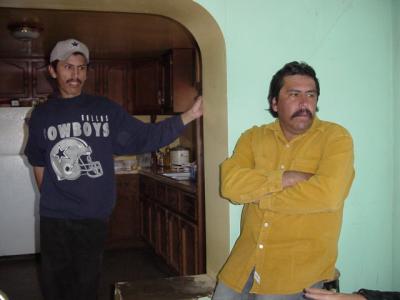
[160, 85]
[42, 85]
[165, 85]
[180, 79]
[146, 88]
[109, 79]
[24, 78]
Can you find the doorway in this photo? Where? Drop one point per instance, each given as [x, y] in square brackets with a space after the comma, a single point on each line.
[210, 40]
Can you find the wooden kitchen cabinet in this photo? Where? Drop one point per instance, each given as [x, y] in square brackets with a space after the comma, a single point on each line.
[162, 239]
[109, 79]
[175, 247]
[165, 84]
[145, 218]
[14, 81]
[42, 85]
[183, 244]
[170, 224]
[146, 88]
[190, 247]
[180, 79]
[24, 78]
[135, 85]
[159, 85]
[116, 81]
[124, 224]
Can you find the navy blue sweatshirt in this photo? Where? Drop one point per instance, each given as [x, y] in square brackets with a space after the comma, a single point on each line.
[74, 140]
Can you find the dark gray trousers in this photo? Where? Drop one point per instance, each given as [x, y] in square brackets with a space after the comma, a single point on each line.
[71, 257]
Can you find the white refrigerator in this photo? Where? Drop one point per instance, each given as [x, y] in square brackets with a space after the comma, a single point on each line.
[19, 197]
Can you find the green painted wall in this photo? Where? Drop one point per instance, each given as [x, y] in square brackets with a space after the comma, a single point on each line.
[350, 44]
[396, 199]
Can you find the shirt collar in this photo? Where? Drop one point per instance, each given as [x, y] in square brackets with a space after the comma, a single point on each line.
[316, 125]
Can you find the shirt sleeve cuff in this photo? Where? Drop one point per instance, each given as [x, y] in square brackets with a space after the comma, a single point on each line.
[275, 185]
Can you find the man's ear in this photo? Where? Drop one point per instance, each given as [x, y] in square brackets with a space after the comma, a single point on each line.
[274, 104]
[52, 72]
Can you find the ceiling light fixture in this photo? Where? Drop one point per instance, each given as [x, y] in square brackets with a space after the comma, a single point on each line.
[24, 31]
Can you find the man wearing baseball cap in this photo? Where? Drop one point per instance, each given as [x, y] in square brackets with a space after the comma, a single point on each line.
[65, 49]
[69, 81]
[72, 139]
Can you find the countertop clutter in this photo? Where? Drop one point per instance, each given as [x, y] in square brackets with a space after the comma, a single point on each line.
[185, 173]
[162, 176]
[126, 164]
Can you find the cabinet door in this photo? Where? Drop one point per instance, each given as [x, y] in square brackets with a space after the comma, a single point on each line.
[146, 187]
[189, 248]
[174, 236]
[115, 84]
[172, 198]
[188, 206]
[124, 221]
[153, 224]
[166, 80]
[147, 96]
[180, 78]
[15, 81]
[145, 224]
[162, 232]
[93, 84]
[42, 84]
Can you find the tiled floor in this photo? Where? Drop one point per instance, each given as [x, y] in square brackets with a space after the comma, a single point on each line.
[19, 275]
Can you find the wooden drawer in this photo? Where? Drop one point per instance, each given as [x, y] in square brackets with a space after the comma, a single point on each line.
[160, 192]
[188, 206]
[127, 185]
[172, 198]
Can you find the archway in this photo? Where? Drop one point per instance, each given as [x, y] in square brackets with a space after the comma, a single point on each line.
[212, 47]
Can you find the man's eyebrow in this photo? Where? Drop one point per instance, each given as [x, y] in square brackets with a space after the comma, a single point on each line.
[298, 90]
[82, 65]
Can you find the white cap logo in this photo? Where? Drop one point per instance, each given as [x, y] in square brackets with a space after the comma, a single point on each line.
[64, 49]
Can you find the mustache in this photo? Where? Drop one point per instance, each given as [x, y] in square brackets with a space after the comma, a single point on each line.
[302, 112]
[77, 80]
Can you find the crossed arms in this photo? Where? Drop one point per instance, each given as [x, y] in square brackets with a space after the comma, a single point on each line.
[292, 191]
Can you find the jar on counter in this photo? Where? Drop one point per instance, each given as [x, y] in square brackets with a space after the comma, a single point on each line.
[179, 156]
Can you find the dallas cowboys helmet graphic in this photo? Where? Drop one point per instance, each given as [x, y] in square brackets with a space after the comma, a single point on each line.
[70, 158]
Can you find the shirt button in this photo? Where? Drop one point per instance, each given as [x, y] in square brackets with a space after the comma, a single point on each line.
[282, 167]
[287, 145]
[261, 246]
[266, 224]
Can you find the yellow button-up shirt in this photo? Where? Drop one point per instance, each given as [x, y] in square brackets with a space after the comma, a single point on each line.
[289, 236]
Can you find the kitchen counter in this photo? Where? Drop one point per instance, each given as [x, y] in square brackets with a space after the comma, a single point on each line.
[186, 185]
[172, 220]
[126, 172]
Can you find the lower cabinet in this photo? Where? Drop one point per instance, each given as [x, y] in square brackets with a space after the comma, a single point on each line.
[124, 227]
[175, 240]
[161, 215]
[170, 227]
[189, 244]
[161, 222]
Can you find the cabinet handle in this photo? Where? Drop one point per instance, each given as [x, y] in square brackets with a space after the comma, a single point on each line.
[160, 99]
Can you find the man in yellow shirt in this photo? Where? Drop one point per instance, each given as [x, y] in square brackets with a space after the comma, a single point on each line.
[292, 176]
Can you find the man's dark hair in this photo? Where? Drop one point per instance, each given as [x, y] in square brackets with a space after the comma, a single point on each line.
[292, 68]
[54, 64]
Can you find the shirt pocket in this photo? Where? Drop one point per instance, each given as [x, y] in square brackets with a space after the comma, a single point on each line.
[304, 165]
